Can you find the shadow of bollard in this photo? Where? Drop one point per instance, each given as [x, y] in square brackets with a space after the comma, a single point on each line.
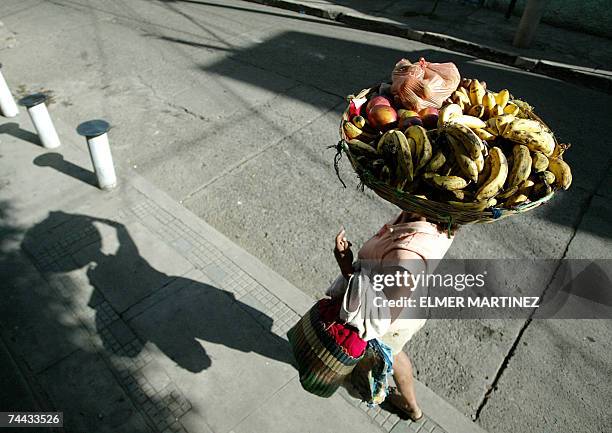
[57, 162]
[16, 131]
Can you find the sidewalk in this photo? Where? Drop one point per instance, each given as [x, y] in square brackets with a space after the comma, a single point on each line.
[571, 56]
[130, 314]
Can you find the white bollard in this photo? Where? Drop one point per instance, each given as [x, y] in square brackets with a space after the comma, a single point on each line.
[37, 109]
[7, 103]
[97, 140]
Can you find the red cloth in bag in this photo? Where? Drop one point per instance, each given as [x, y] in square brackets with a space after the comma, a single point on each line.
[346, 336]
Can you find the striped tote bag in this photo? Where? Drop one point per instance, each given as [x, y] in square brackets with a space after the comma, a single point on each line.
[326, 350]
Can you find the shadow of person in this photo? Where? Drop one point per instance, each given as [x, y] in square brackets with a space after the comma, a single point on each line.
[172, 312]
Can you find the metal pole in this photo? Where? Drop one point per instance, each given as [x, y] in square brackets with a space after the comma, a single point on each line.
[99, 150]
[529, 23]
[37, 109]
[7, 103]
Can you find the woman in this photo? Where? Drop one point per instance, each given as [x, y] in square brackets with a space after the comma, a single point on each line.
[408, 244]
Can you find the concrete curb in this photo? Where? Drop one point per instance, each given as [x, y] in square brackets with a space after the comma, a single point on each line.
[585, 77]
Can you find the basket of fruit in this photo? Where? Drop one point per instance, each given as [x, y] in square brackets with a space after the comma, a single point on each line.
[477, 157]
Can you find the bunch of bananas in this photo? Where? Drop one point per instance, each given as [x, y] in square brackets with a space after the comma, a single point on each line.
[487, 151]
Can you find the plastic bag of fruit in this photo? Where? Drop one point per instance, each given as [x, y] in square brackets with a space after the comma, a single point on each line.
[420, 85]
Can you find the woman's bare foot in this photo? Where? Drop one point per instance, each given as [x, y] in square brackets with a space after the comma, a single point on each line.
[396, 399]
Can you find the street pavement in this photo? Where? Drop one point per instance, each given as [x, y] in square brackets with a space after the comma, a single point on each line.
[128, 313]
[228, 107]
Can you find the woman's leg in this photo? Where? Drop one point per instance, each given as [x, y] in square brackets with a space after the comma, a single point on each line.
[406, 398]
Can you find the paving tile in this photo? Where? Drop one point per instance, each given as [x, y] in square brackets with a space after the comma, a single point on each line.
[292, 409]
[210, 348]
[91, 399]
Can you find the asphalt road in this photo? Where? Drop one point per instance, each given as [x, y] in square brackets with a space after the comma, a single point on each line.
[230, 107]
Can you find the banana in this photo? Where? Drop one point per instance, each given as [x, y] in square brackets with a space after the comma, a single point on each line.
[488, 101]
[521, 166]
[539, 162]
[479, 163]
[526, 184]
[422, 145]
[477, 111]
[476, 92]
[540, 190]
[496, 111]
[515, 200]
[467, 166]
[497, 178]
[460, 98]
[527, 125]
[448, 112]
[507, 193]
[359, 122]
[477, 206]
[485, 173]
[526, 187]
[397, 144]
[436, 162]
[483, 134]
[362, 148]
[457, 194]
[511, 109]
[502, 98]
[536, 141]
[491, 126]
[425, 155]
[449, 182]
[548, 177]
[351, 130]
[562, 172]
[412, 145]
[466, 137]
[469, 121]
[464, 89]
[502, 122]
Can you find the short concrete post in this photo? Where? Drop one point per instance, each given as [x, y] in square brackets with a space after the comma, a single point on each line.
[97, 141]
[529, 23]
[37, 109]
[7, 103]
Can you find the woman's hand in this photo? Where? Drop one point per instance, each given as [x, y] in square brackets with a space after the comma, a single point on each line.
[343, 254]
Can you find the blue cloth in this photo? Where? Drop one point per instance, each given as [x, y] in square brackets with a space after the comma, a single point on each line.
[379, 375]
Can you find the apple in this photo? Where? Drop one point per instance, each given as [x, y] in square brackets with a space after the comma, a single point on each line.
[402, 112]
[377, 100]
[408, 118]
[405, 122]
[429, 116]
[382, 117]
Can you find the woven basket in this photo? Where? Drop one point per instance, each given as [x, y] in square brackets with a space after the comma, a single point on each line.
[432, 210]
[322, 363]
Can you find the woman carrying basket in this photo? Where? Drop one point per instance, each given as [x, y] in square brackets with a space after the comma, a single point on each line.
[408, 244]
